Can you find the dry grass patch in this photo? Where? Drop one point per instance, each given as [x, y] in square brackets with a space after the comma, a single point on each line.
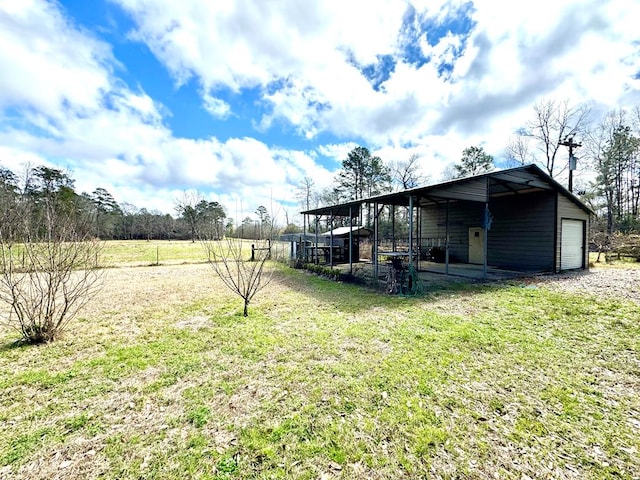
[163, 378]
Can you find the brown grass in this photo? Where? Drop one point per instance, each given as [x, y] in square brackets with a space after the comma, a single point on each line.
[325, 381]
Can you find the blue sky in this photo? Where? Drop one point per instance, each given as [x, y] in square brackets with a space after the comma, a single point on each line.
[240, 100]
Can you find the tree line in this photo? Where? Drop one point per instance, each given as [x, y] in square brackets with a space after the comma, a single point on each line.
[96, 213]
[99, 215]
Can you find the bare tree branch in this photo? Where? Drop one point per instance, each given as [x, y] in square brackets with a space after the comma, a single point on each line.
[407, 173]
[48, 273]
[240, 267]
[519, 150]
[553, 122]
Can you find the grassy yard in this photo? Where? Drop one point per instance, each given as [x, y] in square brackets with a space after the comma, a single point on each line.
[163, 378]
[164, 252]
[120, 253]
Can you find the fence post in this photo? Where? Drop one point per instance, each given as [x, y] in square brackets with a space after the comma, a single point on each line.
[253, 252]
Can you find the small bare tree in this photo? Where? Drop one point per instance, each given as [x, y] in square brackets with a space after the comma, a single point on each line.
[241, 269]
[47, 269]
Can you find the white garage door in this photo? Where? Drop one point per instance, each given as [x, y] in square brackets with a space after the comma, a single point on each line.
[572, 253]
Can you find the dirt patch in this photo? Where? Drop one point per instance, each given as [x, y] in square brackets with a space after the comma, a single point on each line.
[194, 323]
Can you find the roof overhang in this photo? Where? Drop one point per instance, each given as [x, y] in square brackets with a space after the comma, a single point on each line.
[480, 188]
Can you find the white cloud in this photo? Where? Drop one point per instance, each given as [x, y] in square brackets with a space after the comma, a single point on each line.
[85, 120]
[62, 101]
[246, 43]
[557, 46]
[337, 151]
[517, 53]
[48, 65]
[217, 107]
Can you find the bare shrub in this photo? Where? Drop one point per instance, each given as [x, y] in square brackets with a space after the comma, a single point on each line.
[231, 260]
[601, 242]
[47, 274]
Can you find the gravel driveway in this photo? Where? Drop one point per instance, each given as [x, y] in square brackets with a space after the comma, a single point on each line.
[623, 283]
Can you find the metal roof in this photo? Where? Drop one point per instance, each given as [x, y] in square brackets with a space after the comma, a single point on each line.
[479, 188]
[358, 231]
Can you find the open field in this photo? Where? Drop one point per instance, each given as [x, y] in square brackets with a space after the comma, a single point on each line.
[133, 253]
[164, 252]
[161, 377]
[130, 253]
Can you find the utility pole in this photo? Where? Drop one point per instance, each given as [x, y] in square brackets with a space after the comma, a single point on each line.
[568, 142]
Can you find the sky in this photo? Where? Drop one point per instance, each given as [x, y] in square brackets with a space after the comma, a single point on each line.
[240, 100]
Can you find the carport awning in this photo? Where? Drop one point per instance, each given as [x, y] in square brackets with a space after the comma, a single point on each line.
[342, 210]
[480, 188]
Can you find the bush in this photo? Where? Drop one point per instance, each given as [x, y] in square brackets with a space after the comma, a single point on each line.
[327, 272]
[47, 277]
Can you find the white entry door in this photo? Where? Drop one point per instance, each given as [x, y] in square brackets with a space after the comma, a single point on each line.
[476, 245]
[572, 245]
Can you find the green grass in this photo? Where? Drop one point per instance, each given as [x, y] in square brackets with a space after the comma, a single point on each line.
[614, 262]
[329, 380]
[164, 252]
[138, 252]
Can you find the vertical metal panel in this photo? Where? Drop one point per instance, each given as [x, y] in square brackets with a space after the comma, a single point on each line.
[485, 225]
[522, 232]
[453, 221]
[470, 190]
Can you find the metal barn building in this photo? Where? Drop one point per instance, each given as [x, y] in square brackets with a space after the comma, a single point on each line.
[517, 219]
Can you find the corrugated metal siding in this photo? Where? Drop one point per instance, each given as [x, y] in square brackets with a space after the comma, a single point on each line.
[473, 190]
[522, 232]
[569, 210]
[521, 235]
[462, 215]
